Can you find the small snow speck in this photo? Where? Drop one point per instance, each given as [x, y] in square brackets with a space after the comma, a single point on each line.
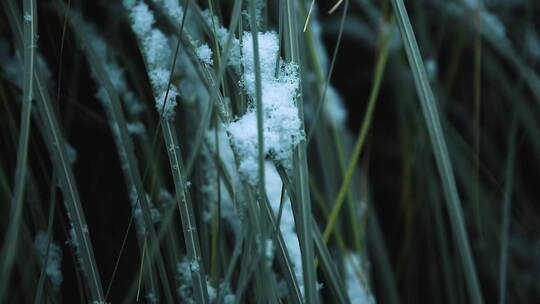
[205, 54]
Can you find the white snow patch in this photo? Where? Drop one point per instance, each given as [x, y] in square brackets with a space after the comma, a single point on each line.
[287, 225]
[205, 54]
[54, 259]
[282, 127]
[356, 287]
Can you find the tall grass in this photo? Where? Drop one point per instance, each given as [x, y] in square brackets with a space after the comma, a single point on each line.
[16, 207]
[268, 151]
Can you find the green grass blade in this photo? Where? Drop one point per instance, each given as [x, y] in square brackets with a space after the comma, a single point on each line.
[329, 73]
[55, 142]
[440, 150]
[373, 97]
[50, 222]
[126, 154]
[258, 95]
[327, 264]
[187, 215]
[214, 90]
[507, 204]
[12, 236]
[303, 217]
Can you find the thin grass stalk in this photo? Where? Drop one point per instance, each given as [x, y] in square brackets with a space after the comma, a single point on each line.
[127, 157]
[327, 264]
[214, 90]
[263, 275]
[230, 269]
[258, 95]
[380, 257]
[507, 204]
[50, 222]
[303, 217]
[12, 236]
[366, 123]
[477, 100]
[440, 150]
[57, 151]
[187, 215]
[322, 99]
[72, 201]
[283, 257]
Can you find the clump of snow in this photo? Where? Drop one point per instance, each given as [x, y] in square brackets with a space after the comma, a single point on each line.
[142, 19]
[11, 66]
[172, 8]
[205, 54]
[282, 127]
[54, 259]
[184, 270]
[114, 72]
[356, 286]
[287, 225]
[157, 54]
[155, 214]
[234, 56]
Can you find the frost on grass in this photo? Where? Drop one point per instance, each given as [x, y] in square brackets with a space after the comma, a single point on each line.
[282, 127]
[355, 281]
[286, 225]
[155, 214]
[54, 259]
[184, 290]
[11, 66]
[113, 71]
[205, 54]
[73, 241]
[157, 54]
[234, 57]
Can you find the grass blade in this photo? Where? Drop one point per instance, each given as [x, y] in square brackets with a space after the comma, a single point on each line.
[440, 150]
[187, 215]
[373, 97]
[11, 240]
[507, 204]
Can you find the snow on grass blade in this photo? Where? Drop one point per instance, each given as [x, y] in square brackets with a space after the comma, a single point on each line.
[57, 151]
[109, 77]
[327, 262]
[157, 55]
